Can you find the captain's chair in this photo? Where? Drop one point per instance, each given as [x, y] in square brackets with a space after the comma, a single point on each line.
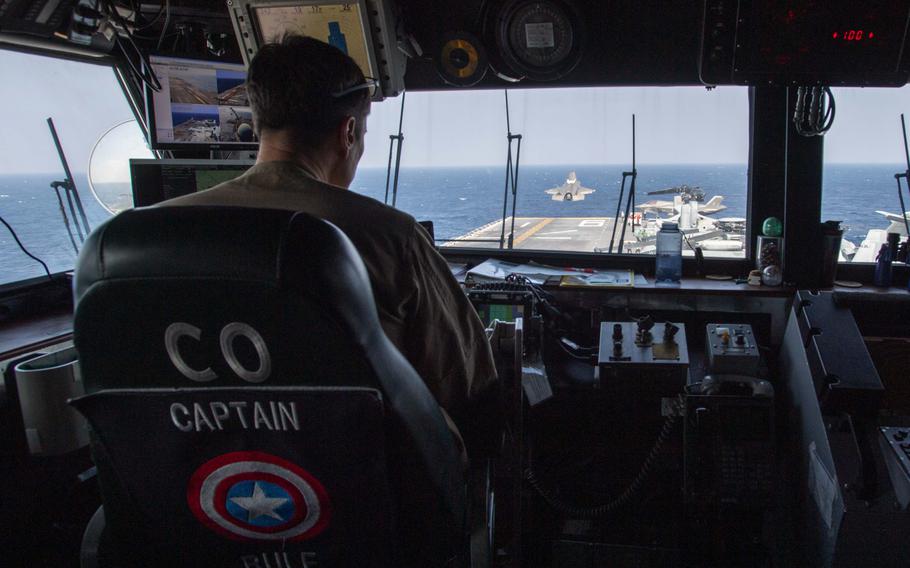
[247, 409]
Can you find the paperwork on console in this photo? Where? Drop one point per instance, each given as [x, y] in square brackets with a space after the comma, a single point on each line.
[493, 270]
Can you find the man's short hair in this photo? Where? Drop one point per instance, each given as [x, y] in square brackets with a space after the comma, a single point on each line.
[291, 83]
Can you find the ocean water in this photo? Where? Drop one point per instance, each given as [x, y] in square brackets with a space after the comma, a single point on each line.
[30, 206]
[458, 200]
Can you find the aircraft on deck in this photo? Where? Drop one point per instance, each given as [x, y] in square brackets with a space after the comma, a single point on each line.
[674, 207]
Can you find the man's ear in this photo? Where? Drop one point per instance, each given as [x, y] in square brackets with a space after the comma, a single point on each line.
[347, 133]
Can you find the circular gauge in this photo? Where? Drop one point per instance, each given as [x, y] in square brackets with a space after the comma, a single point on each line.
[462, 60]
[540, 39]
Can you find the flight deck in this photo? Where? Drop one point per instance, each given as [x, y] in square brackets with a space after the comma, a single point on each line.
[549, 233]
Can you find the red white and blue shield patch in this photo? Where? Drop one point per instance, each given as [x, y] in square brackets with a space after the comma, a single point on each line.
[255, 496]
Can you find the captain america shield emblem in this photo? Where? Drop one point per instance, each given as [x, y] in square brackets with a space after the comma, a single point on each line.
[258, 496]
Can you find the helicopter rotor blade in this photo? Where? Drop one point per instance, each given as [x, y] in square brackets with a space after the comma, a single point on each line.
[665, 191]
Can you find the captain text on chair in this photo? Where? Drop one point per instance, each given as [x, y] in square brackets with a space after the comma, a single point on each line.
[246, 406]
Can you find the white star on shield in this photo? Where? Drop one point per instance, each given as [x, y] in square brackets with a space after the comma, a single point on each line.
[259, 505]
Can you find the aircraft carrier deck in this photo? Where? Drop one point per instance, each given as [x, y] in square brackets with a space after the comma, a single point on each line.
[590, 234]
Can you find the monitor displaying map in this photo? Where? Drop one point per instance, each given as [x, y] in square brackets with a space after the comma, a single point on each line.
[337, 23]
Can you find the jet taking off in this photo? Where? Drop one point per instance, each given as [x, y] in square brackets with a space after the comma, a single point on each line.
[572, 190]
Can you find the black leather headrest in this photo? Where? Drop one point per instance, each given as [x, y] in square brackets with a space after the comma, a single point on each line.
[233, 243]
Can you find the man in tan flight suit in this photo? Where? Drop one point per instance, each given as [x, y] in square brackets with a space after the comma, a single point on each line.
[310, 103]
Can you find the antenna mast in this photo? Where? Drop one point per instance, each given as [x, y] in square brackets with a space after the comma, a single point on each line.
[72, 195]
[511, 180]
[905, 175]
[393, 138]
[630, 200]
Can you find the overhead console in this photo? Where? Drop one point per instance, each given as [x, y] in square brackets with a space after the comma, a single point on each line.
[836, 42]
[498, 43]
[365, 30]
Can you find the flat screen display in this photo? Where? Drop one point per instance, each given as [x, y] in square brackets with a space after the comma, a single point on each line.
[502, 312]
[201, 103]
[155, 181]
[337, 23]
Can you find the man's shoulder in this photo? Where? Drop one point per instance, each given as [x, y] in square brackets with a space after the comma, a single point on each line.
[220, 194]
[355, 211]
[282, 186]
[375, 212]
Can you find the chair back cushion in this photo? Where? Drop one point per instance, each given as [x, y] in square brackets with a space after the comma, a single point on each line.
[211, 298]
[225, 476]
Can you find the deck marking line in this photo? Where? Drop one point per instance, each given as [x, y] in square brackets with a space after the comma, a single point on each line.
[531, 231]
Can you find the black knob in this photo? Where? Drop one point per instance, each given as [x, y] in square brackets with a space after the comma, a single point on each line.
[718, 30]
[717, 53]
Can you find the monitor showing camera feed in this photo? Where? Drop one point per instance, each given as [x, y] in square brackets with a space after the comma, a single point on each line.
[336, 23]
[201, 103]
[155, 181]
[501, 312]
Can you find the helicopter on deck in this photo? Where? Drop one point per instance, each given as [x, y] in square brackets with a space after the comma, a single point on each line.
[685, 196]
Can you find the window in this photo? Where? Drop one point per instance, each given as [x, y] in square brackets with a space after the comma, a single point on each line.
[84, 100]
[863, 151]
[692, 150]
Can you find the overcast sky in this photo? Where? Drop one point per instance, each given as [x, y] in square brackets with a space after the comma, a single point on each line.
[464, 128]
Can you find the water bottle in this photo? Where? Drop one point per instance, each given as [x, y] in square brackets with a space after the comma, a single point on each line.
[883, 270]
[669, 254]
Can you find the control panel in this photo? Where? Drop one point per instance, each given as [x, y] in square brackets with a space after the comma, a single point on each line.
[42, 18]
[836, 42]
[731, 349]
[642, 343]
[643, 363]
[729, 450]
[505, 301]
[718, 44]
[895, 446]
[729, 427]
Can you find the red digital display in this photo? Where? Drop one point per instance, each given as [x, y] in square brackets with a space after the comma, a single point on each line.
[833, 41]
[853, 35]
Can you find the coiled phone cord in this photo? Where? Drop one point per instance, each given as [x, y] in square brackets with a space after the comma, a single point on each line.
[563, 506]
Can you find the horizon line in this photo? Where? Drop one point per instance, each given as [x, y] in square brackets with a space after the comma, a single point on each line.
[899, 165]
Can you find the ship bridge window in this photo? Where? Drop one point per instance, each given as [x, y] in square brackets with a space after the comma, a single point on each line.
[85, 101]
[691, 161]
[863, 151]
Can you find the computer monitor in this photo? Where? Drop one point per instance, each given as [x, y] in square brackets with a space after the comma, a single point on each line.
[155, 181]
[365, 30]
[201, 104]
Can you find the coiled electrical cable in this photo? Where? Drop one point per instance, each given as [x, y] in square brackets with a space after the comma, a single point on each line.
[814, 112]
[559, 504]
